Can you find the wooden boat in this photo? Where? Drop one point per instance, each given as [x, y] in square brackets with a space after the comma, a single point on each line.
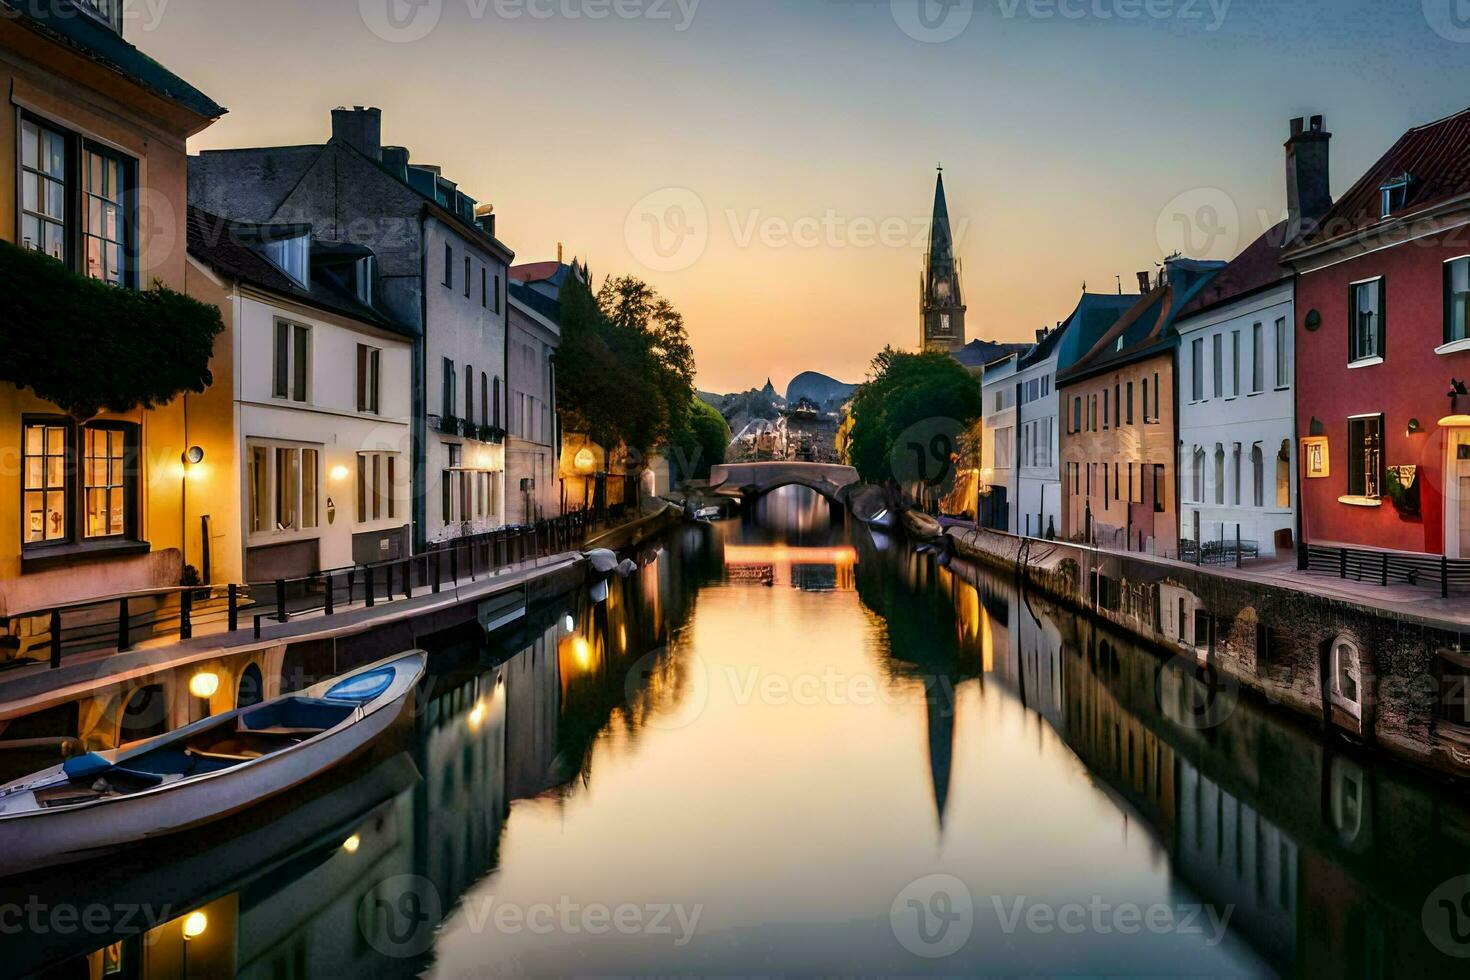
[201, 773]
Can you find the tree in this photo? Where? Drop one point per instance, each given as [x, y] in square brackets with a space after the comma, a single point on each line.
[708, 440]
[907, 417]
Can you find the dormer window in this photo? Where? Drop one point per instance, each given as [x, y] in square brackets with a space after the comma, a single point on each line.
[367, 274]
[109, 12]
[293, 257]
[1395, 194]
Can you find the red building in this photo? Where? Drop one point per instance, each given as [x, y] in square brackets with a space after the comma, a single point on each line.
[1382, 304]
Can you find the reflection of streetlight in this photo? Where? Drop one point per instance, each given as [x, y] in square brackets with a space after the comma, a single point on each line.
[351, 844]
[477, 716]
[582, 650]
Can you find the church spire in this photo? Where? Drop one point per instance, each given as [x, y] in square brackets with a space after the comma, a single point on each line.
[941, 302]
[941, 242]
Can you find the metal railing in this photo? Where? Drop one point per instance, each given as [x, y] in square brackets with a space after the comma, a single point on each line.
[120, 622]
[1386, 568]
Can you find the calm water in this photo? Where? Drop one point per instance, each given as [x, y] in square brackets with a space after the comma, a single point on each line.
[783, 746]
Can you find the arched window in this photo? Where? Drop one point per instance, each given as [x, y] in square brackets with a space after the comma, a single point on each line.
[252, 688]
[1199, 475]
[145, 715]
[1346, 679]
[1283, 475]
[1219, 474]
[1258, 476]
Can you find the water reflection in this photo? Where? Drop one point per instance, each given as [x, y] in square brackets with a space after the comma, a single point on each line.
[717, 770]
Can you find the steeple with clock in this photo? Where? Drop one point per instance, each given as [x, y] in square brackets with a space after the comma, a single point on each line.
[941, 301]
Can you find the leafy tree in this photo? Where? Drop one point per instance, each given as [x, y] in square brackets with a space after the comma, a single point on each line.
[708, 440]
[926, 398]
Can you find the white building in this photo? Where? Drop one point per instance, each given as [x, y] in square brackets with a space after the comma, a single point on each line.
[533, 447]
[1236, 415]
[998, 447]
[321, 381]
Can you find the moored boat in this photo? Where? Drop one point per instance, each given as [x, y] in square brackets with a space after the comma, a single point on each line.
[201, 773]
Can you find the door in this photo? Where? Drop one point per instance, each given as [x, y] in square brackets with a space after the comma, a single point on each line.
[1457, 495]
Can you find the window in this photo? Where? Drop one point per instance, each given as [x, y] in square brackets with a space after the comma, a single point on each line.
[366, 271]
[110, 11]
[1219, 474]
[104, 479]
[496, 296]
[1453, 704]
[292, 361]
[450, 476]
[1258, 358]
[1283, 475]
[105, 224]
[1395, 194]
[1217, 348]
[1283, 353]
[1258, 477]
[1197, 370]
[1158, 398]
[45, 483]
[469, 394]
[1117, 405]
[1105, 409]
[495, 393]
[1199, 474]
[1235, 363]
[1365, 456]
[1366, 334]
[376, 479]
[944, 324]
[448, 394]
[369, 370]
[1159, 488]
[466, 277]
[1076, 414]
[285, 482]
[1130, 402]
[484, 398]
[1145, 401]
[1457, 300]
[1235, 498]
[448, 265]
[44, 175]
[484, 290]
[292, 256]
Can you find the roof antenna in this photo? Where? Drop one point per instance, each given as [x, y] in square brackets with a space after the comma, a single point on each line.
[1120, 284]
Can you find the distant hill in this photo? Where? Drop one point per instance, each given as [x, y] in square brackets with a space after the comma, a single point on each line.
[827, 392]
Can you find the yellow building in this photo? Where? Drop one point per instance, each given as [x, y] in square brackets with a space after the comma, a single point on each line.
[94, 162]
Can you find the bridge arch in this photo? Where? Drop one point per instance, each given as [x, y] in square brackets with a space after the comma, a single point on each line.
[758, 479]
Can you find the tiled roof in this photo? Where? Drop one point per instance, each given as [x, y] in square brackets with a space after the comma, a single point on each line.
[1257, 267]
[219, 243]
[65, 22]
[1095, 313]
[1436, 156]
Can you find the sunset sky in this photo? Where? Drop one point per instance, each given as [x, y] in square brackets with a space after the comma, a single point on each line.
[785, 149]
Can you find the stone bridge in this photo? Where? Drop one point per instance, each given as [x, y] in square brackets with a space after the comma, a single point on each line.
[757, 479]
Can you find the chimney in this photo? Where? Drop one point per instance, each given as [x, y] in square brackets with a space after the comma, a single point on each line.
[1143, 285]
[558, 253]
[361, 129]
[485, 218]
[1308, 179]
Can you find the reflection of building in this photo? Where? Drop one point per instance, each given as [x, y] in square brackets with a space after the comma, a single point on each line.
[100, 506]
[322, 452]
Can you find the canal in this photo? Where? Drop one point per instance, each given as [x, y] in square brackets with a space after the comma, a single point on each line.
[787, 745]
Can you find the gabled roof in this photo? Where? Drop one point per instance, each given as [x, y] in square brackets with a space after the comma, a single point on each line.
[1147, 329]
[1094, 315]
[1436, 156]
[74, 27]
[225, 246]
[1258, 267]
[979, 353]
[553, 272]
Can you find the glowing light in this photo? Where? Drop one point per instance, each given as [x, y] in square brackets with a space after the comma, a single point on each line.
[340, 473]
[195, 924]
[622, 637]
[204, 684]
[761, 555]
[1454, 422]
[582, 650]
[585, 460]
[569, 624]
[477, 716]
[351, 844]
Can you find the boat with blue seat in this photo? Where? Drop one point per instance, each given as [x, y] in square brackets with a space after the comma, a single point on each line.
[203, 772]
